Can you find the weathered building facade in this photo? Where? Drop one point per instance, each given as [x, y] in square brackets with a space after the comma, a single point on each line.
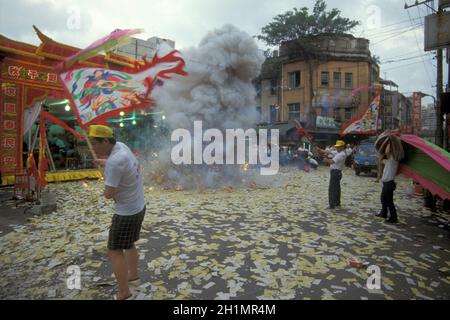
[307, 81]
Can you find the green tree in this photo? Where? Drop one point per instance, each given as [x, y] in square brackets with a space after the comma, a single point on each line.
[376, 59]
[298, 23]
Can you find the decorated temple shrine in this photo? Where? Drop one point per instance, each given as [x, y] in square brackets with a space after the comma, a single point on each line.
[28, 79]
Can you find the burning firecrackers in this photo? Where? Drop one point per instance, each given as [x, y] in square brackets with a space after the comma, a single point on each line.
[244, 167]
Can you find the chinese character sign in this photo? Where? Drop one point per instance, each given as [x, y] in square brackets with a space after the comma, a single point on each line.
[10, 92]
[14, 71]
[417, 110]
[9, 142]
[29, 73]
[9, 107]
[9, 125]
[10, 119]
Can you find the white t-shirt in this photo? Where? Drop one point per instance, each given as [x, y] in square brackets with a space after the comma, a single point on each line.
[331, 152]
[390, 170]
[123, 171]
[339, 161]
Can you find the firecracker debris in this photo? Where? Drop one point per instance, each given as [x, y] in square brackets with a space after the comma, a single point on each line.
[251, 242]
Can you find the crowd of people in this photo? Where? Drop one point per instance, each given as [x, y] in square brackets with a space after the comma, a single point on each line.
[337, 156]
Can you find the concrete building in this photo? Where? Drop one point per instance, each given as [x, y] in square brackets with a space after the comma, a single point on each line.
[406, 114]
[137, 48]
[428, 130]
[315, 81]
[429, 117]
[390, 105]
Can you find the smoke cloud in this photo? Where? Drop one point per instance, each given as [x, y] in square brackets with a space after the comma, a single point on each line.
[218, 89]
[219, 92]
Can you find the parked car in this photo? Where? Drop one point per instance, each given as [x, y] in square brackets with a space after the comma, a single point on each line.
[365, 159]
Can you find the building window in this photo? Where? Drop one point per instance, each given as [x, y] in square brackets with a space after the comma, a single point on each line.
[274, 114]
[258, 89]
[294, 111]
[337, 114]
[349, 80]
[337, 79]
[273, 87]
[324, 79]
[294, 79]
[259, 112]
[348, 113]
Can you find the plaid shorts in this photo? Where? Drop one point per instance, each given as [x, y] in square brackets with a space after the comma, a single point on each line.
[125, 230]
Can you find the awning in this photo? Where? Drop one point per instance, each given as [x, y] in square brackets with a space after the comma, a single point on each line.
[283, 127]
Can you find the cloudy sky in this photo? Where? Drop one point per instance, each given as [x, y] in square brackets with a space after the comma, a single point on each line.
[395, 34]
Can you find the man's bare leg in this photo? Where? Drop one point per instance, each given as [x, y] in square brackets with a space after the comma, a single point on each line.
[120, 269]
[132, 262]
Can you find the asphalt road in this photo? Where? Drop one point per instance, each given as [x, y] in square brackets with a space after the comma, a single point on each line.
[275, 241]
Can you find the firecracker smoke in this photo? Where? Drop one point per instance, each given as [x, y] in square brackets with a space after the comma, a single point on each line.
[217, 91]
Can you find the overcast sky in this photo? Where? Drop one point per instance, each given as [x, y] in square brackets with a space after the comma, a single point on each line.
[395, 34]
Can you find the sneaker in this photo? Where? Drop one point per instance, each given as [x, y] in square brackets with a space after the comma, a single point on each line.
[329, 207]
[381, 215]
[391, 220]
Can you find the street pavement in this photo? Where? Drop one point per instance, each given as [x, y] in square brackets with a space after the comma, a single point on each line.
[270, 241]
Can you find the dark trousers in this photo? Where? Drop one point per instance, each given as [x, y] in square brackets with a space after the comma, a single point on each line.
[334, 189]
[387, 200]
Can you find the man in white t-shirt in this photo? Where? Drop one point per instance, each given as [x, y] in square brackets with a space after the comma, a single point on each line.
[124, 184]
[337, 164]
[387, 193]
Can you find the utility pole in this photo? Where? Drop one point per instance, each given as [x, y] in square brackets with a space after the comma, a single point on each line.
[420, 3]
[446, 124]
[439, 81]
[448, 64]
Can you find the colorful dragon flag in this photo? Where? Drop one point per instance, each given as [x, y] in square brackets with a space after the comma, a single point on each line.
[368, 123]
[100, 93]
[427, 164]
[114, 39]
[420, 160]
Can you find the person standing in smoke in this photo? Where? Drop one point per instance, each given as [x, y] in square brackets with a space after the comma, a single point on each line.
[337, 164]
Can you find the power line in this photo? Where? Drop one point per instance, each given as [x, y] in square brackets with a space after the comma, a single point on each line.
[403, 59]
[406, 54]
[417, 42]
[395, 35]
[416, 21]
[394, 32]
[409, 64]
[390, 25]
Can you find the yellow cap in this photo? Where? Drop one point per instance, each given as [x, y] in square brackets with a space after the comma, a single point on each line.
[339, 143]
[99, 131]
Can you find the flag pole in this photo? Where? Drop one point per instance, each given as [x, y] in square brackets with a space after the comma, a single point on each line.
[91, 149]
